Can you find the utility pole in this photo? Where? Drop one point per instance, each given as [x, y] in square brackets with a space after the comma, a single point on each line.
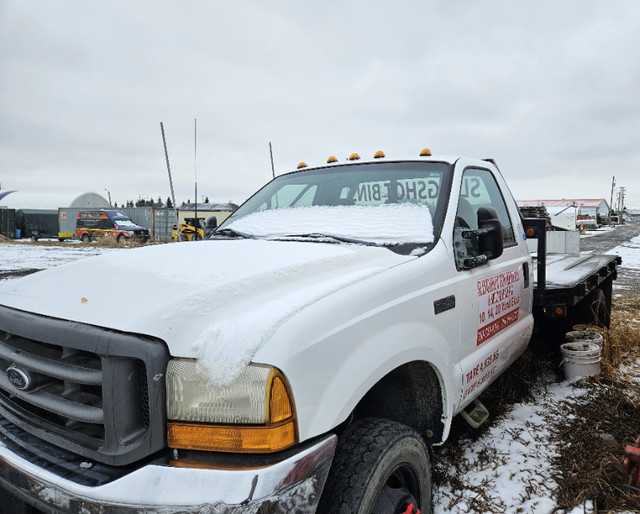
[613, 184]
[621, 204]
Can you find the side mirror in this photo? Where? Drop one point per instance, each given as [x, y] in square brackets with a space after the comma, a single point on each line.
[490, 233]
[489, 236]
[212, 224]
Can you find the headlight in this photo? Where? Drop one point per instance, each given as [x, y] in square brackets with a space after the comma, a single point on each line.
[255, 414]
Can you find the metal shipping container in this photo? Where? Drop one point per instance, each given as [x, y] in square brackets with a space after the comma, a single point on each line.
[8, 222]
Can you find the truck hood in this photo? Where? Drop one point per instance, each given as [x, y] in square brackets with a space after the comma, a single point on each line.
[219, 301]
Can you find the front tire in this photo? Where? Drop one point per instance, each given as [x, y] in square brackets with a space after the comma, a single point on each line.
[380, 467]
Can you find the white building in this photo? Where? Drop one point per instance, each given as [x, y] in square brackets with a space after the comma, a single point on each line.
[592, 208]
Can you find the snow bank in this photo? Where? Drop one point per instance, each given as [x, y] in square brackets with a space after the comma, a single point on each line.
[384, 224]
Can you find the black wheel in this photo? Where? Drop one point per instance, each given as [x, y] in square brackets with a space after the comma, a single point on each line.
[85, 238]
[120, 239]
[380, 467]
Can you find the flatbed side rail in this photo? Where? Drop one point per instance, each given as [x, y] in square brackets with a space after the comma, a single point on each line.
[571, 293]
[536, 228]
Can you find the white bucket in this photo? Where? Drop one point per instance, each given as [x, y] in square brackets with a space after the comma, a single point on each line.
[581, 359]
[581, 336]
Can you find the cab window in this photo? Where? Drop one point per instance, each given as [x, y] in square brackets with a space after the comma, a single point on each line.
[479, 189]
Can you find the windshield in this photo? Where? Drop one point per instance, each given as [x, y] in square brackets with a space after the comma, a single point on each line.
[391, 203]
[124, 222]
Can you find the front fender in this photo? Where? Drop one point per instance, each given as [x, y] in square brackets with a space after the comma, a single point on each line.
[332, 365]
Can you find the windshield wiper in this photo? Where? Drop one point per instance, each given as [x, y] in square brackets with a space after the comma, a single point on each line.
[342, 239]
[231, 232]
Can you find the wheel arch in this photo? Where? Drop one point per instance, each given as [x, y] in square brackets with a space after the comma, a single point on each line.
[411, 394]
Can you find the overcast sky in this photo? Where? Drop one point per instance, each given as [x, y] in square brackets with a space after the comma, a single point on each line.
[549, 89]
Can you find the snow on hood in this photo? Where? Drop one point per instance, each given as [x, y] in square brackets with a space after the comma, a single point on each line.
[384, 224]
[219, 301]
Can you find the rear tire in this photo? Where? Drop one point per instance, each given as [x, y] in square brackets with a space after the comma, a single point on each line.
[595, 309]
[85, 238]
[380, 467]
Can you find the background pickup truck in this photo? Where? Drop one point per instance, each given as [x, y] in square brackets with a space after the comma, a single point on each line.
[334, 326]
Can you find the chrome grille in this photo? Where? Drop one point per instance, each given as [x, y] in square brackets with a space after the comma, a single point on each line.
[82, 387]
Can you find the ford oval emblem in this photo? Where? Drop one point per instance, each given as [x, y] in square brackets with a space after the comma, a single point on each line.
[19, 378]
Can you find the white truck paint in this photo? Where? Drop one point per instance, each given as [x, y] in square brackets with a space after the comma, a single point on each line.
[387, 295]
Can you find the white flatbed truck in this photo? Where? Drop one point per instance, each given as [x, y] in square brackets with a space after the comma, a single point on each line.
[314, 348]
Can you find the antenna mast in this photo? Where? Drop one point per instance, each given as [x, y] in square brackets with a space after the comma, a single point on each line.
[273, 170]
[195, 173]
[173, 196]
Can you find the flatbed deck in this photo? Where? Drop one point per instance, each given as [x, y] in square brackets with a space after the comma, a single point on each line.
[569, 278]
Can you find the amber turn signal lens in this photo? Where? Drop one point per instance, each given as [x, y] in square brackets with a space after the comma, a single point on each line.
[232, 439]
[530, 232]
[280, 402]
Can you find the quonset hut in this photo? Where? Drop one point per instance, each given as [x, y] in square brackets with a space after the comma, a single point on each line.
[36, 214]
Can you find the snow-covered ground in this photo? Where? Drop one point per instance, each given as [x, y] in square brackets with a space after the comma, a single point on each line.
[511, 464]
[517, 479]
[26, 255]
[630, 253]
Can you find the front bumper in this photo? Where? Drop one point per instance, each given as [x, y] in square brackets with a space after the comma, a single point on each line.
[293, 484]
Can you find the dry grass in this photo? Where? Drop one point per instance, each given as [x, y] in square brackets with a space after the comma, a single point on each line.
[102, 242]
[601, 425]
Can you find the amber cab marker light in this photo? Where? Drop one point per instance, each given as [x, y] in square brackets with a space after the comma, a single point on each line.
[331, 159]
[425, 152]
[354, 157]
[530, 232]
[378, 155]
[302, 165]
